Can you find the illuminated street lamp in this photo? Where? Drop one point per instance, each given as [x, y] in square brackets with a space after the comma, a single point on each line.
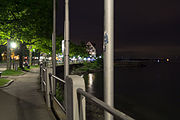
[13, 45]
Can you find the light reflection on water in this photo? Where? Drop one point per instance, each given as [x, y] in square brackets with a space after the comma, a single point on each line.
[91, 78]
[92, 87]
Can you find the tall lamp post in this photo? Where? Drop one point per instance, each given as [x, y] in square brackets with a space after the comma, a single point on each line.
[66, 38]
[54, 45]
[66, 47]
[109, 55]
[13, 46]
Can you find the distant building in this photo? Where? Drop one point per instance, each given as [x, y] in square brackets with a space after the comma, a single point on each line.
[91, 49]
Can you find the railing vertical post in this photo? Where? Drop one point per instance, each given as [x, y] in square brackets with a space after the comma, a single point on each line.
[81, 115]
[48, 88]
[42, 75]
[50, 81]
[73, 82]
[44, 79]
[40, 71]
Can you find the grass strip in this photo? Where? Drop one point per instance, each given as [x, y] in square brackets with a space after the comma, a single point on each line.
[34, 66]
[12, 72]
[3, 81]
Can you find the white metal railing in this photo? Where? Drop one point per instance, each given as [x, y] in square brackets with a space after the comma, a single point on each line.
[43, 77]
[103, 105]
[53, 95]
[45, 85]
[59, 79]
[75, 96]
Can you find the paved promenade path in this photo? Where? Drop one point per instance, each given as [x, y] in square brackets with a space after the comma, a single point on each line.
[22, 100]
[2, 66]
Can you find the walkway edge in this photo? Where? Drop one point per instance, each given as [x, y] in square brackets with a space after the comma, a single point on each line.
[7, 84]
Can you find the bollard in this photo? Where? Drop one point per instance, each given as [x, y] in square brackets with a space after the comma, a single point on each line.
[73, 82]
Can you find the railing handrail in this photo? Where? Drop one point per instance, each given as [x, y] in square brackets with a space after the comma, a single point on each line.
[62, 107]
[59, 79]
[103, 105]
[44, 82]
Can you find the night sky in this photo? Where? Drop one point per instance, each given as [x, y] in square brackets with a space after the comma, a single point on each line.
[142, 27]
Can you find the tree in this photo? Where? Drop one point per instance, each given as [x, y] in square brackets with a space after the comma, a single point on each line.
[2, 49]
[28, 22]
[78, 50]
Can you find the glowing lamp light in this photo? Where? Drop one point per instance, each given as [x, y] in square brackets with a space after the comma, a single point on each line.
[79, 57]
[50, 58]
[13, 45]
[167, 60]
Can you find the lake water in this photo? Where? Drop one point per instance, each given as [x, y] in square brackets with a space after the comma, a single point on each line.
[145, 93]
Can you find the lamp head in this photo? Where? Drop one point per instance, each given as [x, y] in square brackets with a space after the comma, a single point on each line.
[13, 45]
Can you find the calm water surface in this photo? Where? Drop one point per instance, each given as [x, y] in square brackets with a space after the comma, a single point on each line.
[145, 93]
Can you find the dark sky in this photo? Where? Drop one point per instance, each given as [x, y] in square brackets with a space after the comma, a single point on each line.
[142, 27]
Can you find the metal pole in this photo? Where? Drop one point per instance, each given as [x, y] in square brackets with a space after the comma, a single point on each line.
[54, 44]
[66, 48]
[66, 38]
[13, 57]
[8, 55]
[109, 55]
